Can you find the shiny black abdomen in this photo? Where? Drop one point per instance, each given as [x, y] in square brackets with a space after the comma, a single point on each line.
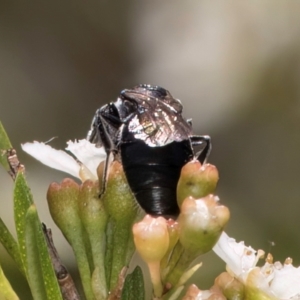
[153, 173]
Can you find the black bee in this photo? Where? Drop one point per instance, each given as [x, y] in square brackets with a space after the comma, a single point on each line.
[145, 131]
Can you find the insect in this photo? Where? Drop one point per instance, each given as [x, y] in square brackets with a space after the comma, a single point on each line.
[145, 131]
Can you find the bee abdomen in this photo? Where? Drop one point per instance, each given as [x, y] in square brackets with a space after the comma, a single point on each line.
[153, 176]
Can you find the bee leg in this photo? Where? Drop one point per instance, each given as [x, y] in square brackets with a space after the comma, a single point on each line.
[104, 135]
[199, 140]
[109, 159]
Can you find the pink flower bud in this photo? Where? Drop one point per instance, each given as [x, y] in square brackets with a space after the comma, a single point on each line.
[151, 238]
[63, 205]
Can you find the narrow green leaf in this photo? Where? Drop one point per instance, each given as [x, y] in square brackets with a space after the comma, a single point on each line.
[41, 276]
[4, 145]
[6, 291]
[22, 202]
[134, 285]
[11, 246]
[32, 260]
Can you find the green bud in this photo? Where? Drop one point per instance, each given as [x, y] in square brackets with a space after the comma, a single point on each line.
[63, 205]
[200, 223]
[118, 199]
[122, 210]
[196, 180]
[94, 220]
[91, 210]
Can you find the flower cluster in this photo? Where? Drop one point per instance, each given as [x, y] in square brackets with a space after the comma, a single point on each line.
[179, 243]
[271, 281]
[114, 228]
[98, 229]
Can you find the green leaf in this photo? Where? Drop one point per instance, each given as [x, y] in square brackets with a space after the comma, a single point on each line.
[11, 246]
[6, 291]
[134, 285]
[42, 280]
[32, 262]
[22, 202]
[4, 145]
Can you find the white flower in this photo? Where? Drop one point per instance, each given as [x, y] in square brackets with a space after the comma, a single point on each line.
[238, 257]
[286, 282]
[273, 279]
[87, 154]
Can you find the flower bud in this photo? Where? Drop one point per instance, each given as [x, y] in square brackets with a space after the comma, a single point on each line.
[91, 210]
[118, 199]
[201, 222]
[122, 210]
[94, 220]
[151, 238]
[196, 180]
[63, 205]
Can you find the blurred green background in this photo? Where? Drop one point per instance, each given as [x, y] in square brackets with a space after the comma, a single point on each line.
[234, 64]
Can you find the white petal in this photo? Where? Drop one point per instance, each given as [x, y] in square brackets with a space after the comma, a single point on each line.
[56, 159]
[286, 282]
[87, 153]
[238, 257]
